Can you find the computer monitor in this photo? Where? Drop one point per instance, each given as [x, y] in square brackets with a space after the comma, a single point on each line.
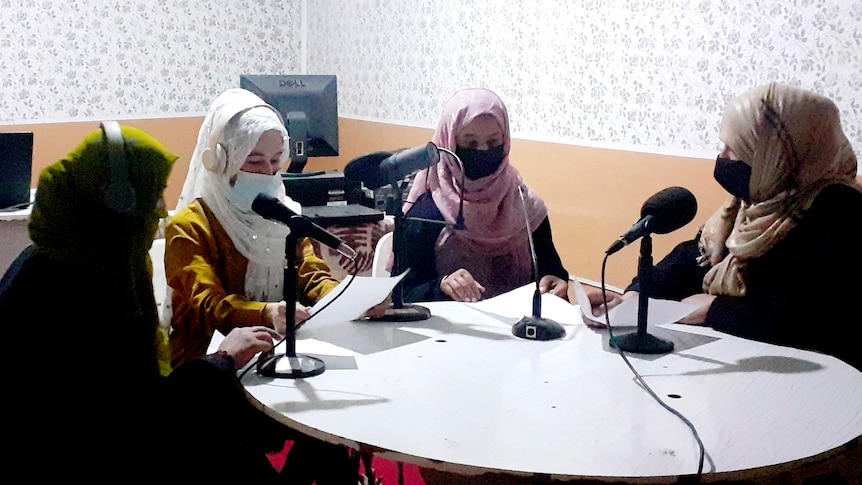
[309, 105]
[16, 168]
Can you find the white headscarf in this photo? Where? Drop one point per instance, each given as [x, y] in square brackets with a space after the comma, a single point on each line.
[231, 129]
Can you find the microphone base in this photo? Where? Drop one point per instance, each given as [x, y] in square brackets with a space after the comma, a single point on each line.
[641, 343]
[405, 313]
[538, 328]
[295, 367]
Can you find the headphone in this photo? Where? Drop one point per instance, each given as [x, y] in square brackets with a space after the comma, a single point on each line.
[214, 157]
[118, 194]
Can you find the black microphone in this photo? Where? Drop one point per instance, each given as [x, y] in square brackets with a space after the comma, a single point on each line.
[666, 211]
[535, 327]
[271, 208]
[381, 168]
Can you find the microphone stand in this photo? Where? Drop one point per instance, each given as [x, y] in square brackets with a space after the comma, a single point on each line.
[641, 342]
[299, 366]
[535, 327]
[400, 312]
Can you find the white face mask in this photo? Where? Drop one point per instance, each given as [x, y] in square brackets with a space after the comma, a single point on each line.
[249, 185]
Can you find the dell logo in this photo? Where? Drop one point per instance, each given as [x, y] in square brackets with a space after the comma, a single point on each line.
[291, 83]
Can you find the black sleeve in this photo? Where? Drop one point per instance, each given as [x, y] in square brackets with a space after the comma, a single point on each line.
[548, 259]
[799, 289]
[422, 283]
[208, 402]
[417, 253]
[677, 275]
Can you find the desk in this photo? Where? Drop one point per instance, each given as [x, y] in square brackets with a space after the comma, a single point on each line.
[459, 393]
[14, 235]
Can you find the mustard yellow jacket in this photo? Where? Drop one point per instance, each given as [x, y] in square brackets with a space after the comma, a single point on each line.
[207, 275]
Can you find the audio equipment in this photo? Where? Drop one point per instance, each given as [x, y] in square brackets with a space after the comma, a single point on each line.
[535, 327]
[214, 157]
[118, 194]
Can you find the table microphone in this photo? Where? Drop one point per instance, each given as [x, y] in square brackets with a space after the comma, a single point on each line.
[666, 211]
[535, 327]
[382, 168]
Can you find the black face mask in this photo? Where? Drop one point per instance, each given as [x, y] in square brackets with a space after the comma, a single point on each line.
[734, 176]
[480, 163]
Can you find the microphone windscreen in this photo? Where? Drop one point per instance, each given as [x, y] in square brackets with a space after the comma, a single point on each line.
[366, 169]
[271, 208]
[405, 162]
[671, 209]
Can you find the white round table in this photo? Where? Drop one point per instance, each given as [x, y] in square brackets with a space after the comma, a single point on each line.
[458, 393]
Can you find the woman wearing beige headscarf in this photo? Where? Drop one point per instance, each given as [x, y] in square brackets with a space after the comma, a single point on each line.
[787, 229]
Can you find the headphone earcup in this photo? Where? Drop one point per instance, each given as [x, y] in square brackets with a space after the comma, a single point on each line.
[215, 159]
[118, 194]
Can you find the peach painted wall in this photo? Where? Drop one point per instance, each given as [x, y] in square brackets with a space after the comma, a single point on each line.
[593, 194]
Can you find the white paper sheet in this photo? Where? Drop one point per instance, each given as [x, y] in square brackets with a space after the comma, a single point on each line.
[519, 302]
[626, 313]
[352, 298]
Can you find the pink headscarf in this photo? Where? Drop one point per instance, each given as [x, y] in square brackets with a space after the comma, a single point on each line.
[494, 247]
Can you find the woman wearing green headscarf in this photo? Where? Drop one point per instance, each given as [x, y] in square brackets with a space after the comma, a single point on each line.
[96, 396]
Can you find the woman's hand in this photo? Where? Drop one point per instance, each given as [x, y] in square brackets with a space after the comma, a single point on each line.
[301, 314]
[555, 286]
[697, 317]
[275, 314]
[597, 303]
[460, 286]
[379, 310]
[243, 343]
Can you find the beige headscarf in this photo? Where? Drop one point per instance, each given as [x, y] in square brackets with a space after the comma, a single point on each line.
[794, 143]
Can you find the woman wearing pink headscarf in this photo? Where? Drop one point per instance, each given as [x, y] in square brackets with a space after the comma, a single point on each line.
[489, 253]
[759, 265]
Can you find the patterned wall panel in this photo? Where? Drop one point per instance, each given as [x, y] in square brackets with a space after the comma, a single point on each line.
[71, 60]
[650, 75]
[647, 75]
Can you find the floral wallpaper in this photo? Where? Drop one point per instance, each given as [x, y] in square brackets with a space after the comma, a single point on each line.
[73, 60]
[645, 75]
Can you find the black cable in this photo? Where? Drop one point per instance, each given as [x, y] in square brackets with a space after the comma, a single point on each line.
[643, 383]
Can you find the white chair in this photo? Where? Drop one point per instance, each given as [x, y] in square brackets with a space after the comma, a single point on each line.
[157, 255]
[382, 254]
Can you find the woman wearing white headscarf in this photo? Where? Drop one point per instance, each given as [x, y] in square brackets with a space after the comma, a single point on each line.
[224, 263]
[760, 263]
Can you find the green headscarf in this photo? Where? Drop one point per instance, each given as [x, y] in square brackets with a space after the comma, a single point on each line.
[71, 222]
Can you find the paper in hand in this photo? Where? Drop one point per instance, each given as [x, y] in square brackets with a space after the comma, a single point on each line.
[626, 313]
[359, 294]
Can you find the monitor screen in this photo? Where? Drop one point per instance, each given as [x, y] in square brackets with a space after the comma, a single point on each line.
[309, 105]
[16, 168]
